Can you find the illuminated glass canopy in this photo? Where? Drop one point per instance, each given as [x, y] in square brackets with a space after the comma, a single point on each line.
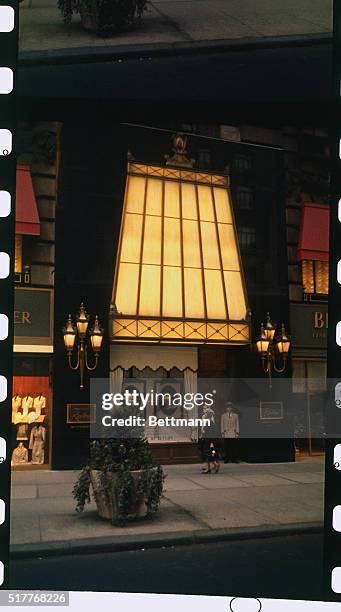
[178, 275]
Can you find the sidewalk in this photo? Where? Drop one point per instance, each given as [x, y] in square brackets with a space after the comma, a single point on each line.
[254, 496]
[176, 23]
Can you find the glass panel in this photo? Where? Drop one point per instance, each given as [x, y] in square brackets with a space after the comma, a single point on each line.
[131, 238]
[172, 329]
[148, 329]
[18, 254]
[214, 295]
[321, 277]
[228, 247]
[152, 240]
[172, 205]
[172, 243]
[235, 295]
[154, 197]
[238, 333]
[317, 375]
[127, 285]
[189, 201]
[210, 246]
[195, 331]
[222, 205]
[308, 276]
[150, 291]
[194, 300]
[298, 376]
[124, 327]
[217, 331]
[191, 244]
[135, 194]
[172, 292]
[205, 203]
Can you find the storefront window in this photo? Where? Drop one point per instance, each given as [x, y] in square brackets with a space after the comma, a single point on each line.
[315, 276]
[309, 376]
[30, 421]
[298, 376]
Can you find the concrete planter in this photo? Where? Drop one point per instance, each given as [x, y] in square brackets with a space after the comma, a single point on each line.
[107, 505]
[112, 23]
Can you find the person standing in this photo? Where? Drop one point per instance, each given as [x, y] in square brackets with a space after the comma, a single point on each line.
[208, 434]
[229, 427]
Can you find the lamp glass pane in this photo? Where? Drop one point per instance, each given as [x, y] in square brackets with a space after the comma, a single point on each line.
[131, 238]
[283, 347]
[262, 345]
[135, 194]
[172, 292]
[269, 332]
[96, 341]
[69, 340]
[82, 326]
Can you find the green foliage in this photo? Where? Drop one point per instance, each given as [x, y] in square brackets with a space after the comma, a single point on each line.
[122, 456]
[81, 489]
[110, 15]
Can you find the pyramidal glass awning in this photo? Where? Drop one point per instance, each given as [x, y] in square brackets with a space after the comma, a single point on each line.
[178, 276]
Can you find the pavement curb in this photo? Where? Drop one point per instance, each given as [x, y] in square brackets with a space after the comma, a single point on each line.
[120, 53]
[159, 540]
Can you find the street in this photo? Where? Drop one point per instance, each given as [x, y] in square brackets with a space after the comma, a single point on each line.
[277, 567]
[284, 81]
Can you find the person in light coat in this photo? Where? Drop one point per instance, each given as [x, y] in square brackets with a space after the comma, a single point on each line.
[229, 427]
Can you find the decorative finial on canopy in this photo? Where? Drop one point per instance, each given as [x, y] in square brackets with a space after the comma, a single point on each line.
[179, 157]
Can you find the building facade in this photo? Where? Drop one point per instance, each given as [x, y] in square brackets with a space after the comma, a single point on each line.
[36, 196]
[80, 194]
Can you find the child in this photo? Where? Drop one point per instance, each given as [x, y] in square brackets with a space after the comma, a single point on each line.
[211, 457]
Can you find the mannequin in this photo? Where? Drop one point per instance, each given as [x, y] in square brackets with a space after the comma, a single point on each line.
[37, 443]
[20, 455]
[26, 404]
[22, 431]
[39, 402]
[16, 408]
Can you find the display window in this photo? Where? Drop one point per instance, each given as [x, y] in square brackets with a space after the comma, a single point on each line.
[30, 422]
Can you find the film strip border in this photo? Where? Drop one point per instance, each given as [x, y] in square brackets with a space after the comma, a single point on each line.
[332, 518]
[8, 62]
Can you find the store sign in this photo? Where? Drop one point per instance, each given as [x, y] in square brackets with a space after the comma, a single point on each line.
[309, 325]
[33, 317]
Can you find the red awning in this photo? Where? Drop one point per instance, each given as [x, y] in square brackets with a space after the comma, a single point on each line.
[26, 216]
[313, 242]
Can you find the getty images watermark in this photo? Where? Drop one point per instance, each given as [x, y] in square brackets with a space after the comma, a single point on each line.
[176, 409]
[164, 400]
